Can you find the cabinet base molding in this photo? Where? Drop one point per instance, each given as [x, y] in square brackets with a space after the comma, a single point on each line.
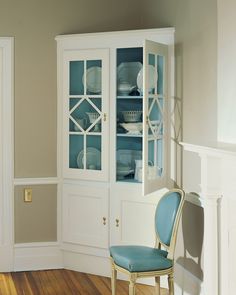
[92, 251]
[37, 256]
[87, 263]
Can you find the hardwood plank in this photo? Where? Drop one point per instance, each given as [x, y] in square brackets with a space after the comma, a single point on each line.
[100, 284]
[21, 284]
[64, 282]
[6, 283]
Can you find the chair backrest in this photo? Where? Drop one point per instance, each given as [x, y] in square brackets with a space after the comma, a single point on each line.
[167, 218]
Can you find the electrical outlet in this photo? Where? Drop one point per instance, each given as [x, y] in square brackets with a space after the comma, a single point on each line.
[28, 195]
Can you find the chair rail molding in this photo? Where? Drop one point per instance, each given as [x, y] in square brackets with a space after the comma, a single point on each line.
[6, 152]
[218, 190]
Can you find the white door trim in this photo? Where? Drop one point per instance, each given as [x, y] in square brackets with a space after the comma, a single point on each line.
[6, 153]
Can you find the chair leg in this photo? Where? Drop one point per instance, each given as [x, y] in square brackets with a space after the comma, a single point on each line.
[113, 279]
[132, 284]
[157, 286]
[171, 284]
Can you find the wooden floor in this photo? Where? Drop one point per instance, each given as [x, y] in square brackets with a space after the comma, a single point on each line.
[63, 282]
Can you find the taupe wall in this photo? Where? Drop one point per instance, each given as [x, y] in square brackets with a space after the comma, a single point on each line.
[196, 64]
[36, 221]
[34, 25]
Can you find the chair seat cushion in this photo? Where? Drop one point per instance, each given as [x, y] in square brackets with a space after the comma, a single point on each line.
[140, 258]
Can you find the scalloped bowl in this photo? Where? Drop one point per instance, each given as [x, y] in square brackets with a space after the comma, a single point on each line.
[131, 116]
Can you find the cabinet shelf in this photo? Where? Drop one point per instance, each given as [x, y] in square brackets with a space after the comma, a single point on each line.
[129, 97]
[129, 180]
[128, 135]
[85, 96]
[82, 133]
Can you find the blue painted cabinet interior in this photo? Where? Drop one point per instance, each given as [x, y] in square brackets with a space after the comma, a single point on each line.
[85, 112]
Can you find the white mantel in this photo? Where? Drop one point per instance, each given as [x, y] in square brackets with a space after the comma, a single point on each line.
[218, 198]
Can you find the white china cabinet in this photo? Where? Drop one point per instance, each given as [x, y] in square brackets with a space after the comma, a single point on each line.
[113, 135]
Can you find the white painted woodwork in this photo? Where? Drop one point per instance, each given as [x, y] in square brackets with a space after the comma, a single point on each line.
[74, 55]
[85, 215]
[6, 153]
[135, 216]
[86, 198]
[151, 185]
[37, 256]
[218, 198]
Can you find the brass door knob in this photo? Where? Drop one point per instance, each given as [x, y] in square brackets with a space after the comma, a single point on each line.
[117, 222]
[104, 117]
[104, 220]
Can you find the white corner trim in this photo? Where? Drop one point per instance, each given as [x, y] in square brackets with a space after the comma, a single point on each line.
[37, 256]
[6, 151]
[36, 181]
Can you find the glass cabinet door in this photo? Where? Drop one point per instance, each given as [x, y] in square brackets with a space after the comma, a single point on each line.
[155, 96]
[85, 116]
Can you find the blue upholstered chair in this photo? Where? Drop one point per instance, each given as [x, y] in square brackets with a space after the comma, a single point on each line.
[141, 261]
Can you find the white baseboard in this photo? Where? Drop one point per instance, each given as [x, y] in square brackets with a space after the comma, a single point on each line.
[37, 256]
[87, 263]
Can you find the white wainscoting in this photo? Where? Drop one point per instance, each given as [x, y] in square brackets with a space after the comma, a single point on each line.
[37, 256]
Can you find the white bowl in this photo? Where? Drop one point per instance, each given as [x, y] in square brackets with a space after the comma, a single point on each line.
[131, 116]
[124, 88]
[133, 128]
[122, 173]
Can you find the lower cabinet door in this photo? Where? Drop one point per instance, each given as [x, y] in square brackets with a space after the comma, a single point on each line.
[85, 215]
[132, 218]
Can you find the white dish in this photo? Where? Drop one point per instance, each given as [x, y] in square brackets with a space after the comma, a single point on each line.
[124, 88]
[122, 167]
[93, 79]
[128, 157]
[133, 128]
[152, 76]
[121, 174]
[93, 156]
[127, 72]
